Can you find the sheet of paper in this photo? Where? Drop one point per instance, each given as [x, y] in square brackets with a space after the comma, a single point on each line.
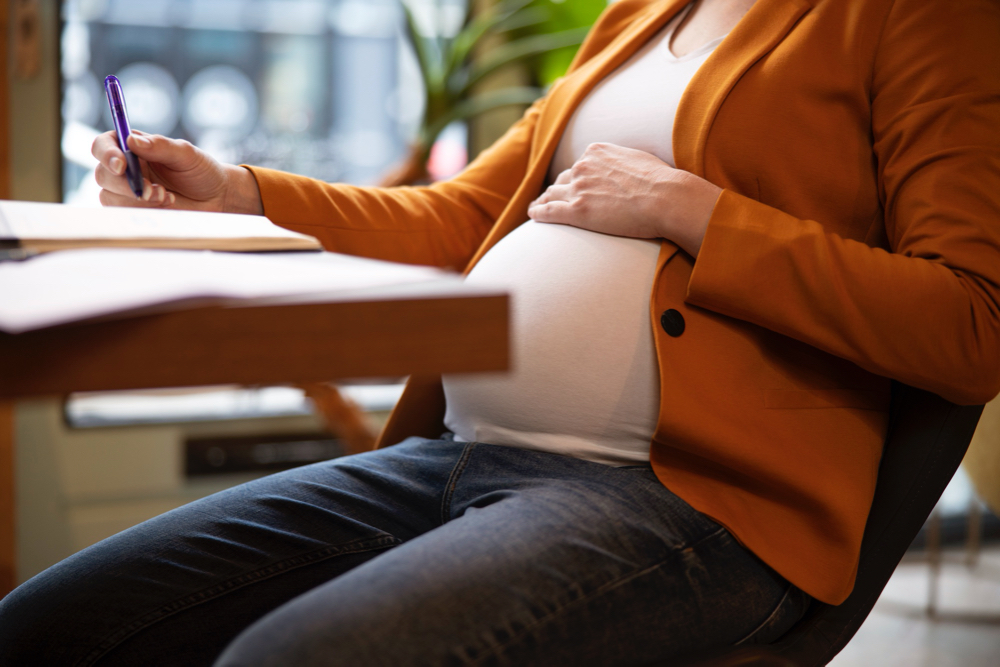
[31, 220]
[73, 285]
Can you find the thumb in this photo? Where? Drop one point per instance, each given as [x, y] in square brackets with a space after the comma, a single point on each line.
[175, 154]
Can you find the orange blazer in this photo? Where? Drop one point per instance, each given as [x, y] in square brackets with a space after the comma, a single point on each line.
[856, 240]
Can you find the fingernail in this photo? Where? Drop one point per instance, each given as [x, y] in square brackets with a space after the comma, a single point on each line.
[171, 199]
[142, 141]
[117, 165]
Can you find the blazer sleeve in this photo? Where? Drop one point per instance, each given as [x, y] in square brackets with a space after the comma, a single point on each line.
[927, 313]
[442, 224]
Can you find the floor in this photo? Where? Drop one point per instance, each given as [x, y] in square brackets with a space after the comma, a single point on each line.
[964, 633]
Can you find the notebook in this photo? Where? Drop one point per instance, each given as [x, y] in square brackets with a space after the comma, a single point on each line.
[75, 285]
[47, 227]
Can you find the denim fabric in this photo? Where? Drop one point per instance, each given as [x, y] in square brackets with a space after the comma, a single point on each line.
[431, 552]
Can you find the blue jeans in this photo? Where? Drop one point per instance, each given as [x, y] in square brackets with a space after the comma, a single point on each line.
[431, 552]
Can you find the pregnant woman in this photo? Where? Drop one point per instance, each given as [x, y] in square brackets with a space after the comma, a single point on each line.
[725, 231]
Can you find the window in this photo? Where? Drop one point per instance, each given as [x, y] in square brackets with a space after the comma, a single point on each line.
[324, 88]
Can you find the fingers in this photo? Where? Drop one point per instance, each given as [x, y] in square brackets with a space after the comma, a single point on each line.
[175, 154]
[552, 193]
[163, 199]
[111, 181]
[149, 147]
[556, 212]
[110, 173]
[153, 194]
[105, 149]
[553, 206]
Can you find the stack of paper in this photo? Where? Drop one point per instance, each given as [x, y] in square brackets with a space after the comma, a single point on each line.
[46, 227]
[74, 285]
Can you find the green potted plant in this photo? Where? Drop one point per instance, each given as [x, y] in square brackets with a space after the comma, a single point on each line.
[544, 33]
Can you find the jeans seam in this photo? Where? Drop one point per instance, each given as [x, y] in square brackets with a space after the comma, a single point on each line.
[456, 473]
[601, 590]
[701, 540]
[216, 590]
[770, 617]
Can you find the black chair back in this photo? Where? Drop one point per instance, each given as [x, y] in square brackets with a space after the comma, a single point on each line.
[927, 439]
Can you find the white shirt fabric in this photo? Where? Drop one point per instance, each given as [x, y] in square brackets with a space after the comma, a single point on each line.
[584, 380]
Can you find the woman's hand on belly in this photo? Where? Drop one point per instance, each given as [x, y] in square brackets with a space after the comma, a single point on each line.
[627, 192]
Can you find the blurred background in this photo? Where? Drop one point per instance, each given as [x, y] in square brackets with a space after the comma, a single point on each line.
[318, 87]
[334, 89]
[364, 92]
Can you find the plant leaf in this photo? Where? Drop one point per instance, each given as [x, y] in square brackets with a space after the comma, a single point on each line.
[414, 37]
[530, 16]
[428, 58]
[480, 104]
[563, 15]
[485, 23]
[518, 50]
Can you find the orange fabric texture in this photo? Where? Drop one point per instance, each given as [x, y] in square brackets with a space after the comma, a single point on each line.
[857, 239]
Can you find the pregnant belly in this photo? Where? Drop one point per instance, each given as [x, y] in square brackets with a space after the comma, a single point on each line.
[584, 376]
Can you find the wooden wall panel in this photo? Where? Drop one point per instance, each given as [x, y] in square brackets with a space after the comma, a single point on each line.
[7, 514]
[4, 102]
[33, 109]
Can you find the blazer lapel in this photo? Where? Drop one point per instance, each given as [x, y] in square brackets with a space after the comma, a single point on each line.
[763, 28]
[563, 99]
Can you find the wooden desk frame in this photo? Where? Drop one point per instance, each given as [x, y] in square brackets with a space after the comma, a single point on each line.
[259, 345]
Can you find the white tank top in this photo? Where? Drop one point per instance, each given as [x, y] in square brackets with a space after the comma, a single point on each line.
[584, 379]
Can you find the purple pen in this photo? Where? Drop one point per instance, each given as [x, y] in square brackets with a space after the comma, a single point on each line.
[133, 172]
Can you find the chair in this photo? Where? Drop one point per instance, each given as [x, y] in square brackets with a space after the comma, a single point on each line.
[926, 441]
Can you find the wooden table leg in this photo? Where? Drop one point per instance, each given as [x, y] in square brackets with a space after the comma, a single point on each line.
[7, 510]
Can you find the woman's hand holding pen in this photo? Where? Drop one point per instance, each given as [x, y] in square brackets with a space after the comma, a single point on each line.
[176, 175]
[627, 192]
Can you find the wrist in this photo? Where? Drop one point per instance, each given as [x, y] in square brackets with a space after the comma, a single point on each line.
[242, 194]
[685, 220]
